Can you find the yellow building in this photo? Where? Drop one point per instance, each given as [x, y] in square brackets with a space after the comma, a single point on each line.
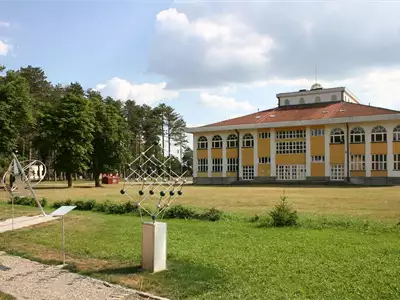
[314, 135]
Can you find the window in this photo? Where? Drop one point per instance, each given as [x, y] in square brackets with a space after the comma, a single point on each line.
[302, 101]
[264, 135]
[357, 162]
[217, 164]
[248, 172]
[337, 136]
[216, 142]
[291, 172]
[317, 99]
[333, 98]
[318, 159]
[290, 134]
[287, 102]
[337, 172]
[232, 164]
[290, 147]
[378, 134]
[379, 162]
[264, 160]
[202, 165]
[202, 143]
[396, 134]
[396, 160]
[248, 140]
[317, 132]
[232, 141]
[357, 136]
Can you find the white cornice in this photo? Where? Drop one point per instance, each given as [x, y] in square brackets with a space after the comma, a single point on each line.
[311, 92]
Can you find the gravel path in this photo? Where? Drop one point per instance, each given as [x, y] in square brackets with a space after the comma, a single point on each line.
[26, 279]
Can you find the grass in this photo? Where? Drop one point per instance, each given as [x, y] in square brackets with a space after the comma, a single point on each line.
[325, 258]
[4, 296]
[375, 203]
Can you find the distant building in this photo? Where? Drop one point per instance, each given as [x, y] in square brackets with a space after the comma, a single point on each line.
[314, 135]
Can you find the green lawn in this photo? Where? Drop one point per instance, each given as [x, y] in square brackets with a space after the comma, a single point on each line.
[230, 259]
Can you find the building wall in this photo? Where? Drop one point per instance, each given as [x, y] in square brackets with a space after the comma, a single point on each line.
[308, 99]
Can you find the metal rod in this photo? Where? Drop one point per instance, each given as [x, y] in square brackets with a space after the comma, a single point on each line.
[63, 240]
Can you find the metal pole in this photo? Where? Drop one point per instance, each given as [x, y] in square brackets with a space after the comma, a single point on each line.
[63, 240]
[12, 208]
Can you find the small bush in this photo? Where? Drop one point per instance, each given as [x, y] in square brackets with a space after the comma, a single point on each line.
[57, 204]
[254, 219]
[180, 212]
[212, 214]
[283, 214]
[130, 207]
[43, 202]
[88, 205]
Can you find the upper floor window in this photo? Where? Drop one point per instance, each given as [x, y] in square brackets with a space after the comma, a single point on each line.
[302, 101]
[287, 102]
[232, 141]
[357, 135]
[248, 140]
[264, 135]
[317, 99]
[317, 132]
[396, 133]
[202, 143]
[337, 136]
[216, 141]
[333, 98]
[378, 134]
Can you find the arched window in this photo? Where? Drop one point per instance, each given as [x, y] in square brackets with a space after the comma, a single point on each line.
[216, 141]
[357, 135]
[333, 98]
[337, 136]
[378, 134]
[302, 101]
[317, 99]
[396, 133]
[232, 141]
[202, 143]
[287, 102]
[248, 140]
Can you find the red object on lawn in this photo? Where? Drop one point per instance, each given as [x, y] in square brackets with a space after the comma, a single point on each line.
[110, 179]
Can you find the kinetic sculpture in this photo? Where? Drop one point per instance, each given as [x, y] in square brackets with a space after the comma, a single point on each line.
[158, 186]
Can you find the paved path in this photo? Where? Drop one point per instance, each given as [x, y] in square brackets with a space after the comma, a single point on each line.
[21, 222]
[26, 279]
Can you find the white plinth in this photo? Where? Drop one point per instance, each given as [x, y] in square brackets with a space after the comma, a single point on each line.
[154, 246]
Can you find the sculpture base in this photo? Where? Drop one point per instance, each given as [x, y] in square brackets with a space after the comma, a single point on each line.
[154, 246]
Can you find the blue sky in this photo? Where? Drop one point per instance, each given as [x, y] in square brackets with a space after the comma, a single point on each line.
[210, 60]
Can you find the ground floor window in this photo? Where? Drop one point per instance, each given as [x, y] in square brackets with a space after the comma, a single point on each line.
[202, 165]
[248, 172]
[291, 172]
[357, 162]
[232, 164]
[396, 160]
[337, 172]
[217, 164]
[379, 162]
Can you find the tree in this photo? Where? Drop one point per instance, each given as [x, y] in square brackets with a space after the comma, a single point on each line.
[187, 161]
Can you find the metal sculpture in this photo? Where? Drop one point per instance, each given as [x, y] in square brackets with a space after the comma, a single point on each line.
[159, 184]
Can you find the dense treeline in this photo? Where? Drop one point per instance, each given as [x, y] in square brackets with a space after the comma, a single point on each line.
[77, 132]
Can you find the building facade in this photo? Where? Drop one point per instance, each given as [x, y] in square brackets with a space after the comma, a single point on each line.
[316, 135]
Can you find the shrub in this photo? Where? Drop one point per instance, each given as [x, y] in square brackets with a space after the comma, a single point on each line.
[57, 204]
[180, 212]
[283, 214]
[43, 202]
[212, 214]
[130, 207]
[88, 205]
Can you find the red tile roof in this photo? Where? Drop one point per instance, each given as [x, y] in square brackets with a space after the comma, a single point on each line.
[327, 110]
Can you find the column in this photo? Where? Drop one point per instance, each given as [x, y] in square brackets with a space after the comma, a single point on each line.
[346, 158]
[255, 152]
[209, 144]
[240, 155]
[224, 160]
[308, 151]
[389, 137]
[273, 153]
[368, 160]
[195, 162]
[327, 152]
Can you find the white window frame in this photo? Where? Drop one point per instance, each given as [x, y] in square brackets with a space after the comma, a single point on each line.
[248, 172]
[318, 132]
[232, 141]
[295, 147]
[248, 141]
[264, 135]
[396, 162]
[216, 165]
[337, 172]
[291, 172]
[357, 136]
[337, 136]
[232, 164]
[216, 142]
[302, 101]
[379, 162]
[357, 162]
[264, 160]
[291, 134]
[202, 165]
[202, 143]
[396, 134]
[378, 134]
[318, 159]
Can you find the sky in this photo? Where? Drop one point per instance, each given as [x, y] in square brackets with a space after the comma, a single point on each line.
[210, 60]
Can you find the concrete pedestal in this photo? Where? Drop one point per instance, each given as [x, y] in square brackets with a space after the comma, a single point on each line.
[154, 246]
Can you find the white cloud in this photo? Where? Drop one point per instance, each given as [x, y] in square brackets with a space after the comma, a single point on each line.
[145, 93]
[4, 48]
[226, 103]
[4, 24]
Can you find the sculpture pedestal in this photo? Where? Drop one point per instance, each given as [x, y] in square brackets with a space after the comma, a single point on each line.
[154, 246]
